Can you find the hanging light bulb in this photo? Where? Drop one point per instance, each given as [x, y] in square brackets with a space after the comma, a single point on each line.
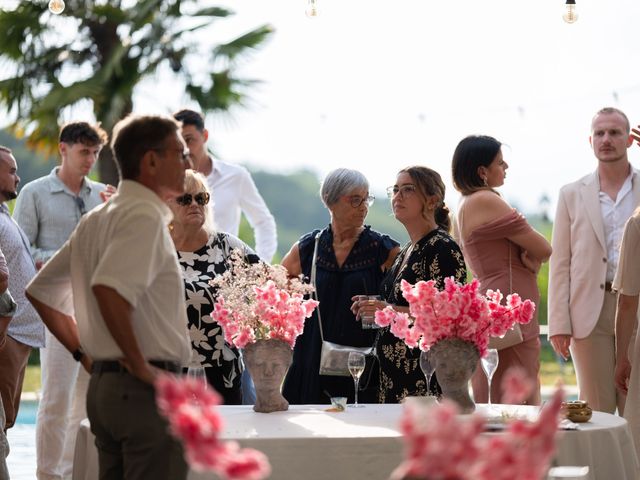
[56, 6]
[570, 15]
[312, 8]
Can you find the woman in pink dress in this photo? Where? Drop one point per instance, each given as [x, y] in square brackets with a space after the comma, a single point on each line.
[501, 249]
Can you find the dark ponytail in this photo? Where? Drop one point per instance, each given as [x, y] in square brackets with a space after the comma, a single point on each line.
[443, 218]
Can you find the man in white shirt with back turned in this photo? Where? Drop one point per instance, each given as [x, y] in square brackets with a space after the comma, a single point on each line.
[128, 302]
[587, 232]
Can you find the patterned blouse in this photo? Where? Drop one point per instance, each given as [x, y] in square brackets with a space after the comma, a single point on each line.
[435, 257]
[209, 348]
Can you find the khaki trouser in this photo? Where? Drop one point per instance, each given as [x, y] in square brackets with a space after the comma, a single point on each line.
[594, 359]
[133, 440]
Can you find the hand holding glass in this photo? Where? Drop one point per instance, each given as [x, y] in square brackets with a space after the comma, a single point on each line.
[356, 364]
[489, 366]
[427, 368]
[367, 318]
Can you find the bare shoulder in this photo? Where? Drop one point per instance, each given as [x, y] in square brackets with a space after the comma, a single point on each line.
[291, 261]
[484, 206]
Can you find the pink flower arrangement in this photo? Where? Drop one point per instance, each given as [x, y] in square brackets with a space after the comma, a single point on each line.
[457, 311]
[259, 302]
[441, 445]
[516, 386]
[191, 409]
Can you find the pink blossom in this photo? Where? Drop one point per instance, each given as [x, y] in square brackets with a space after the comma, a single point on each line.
[457, 311]
[259, 301]
[191, 410]
[440, 444]
[516, 386]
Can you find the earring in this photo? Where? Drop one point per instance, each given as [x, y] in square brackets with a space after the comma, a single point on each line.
[484, 180]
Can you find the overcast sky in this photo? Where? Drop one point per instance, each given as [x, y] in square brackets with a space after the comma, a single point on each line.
[379, 85]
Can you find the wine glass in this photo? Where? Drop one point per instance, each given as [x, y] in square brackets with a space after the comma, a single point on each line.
[427, 368]
[356, 365]
[489, 366]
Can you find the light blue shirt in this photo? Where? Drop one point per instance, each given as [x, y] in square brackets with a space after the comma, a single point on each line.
[47, 211]
[25, 326]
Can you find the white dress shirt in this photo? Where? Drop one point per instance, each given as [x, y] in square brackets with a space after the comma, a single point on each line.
[614, 217]
[123, 244]
[233, 192]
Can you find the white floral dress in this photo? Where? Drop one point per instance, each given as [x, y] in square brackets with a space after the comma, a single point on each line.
[221, 361]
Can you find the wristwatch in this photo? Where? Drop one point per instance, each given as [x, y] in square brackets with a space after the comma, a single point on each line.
[78, 354]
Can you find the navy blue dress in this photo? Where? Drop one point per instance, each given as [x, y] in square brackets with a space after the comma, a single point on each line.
[361, 273]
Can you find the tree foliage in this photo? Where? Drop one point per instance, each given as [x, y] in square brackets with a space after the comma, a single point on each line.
[101, 50]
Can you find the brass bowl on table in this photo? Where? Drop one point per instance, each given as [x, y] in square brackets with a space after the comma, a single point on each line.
[577, 411]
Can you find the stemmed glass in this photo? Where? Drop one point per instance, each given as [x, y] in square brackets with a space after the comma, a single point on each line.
[489, 366]
[427, 368]
[356, 365]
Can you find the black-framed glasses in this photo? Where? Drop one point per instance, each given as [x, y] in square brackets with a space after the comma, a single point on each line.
[404, 190]
[80, 204]
[355, 200]
[201, 198]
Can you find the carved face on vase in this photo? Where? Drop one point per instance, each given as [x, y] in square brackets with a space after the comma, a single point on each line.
[268, 364]
[455, 361]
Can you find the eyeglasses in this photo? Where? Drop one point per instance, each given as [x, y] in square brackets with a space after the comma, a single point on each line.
[201, 199]
[80, 204]
[404, 190]
[355, 201]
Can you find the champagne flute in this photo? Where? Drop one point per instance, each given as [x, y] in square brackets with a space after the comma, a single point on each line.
[196, 372]
[489, 365]
[356, 365]
[427, 368]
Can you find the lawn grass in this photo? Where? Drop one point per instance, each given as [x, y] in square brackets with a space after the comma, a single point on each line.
[31, 379]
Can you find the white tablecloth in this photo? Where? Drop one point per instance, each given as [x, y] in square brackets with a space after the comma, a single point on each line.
[307, 442]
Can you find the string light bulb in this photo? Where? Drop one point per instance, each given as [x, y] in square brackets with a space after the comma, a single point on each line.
[56, 6]
[312, 8]
[570, 15]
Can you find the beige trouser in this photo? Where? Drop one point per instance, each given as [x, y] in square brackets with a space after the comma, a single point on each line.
[594, 359]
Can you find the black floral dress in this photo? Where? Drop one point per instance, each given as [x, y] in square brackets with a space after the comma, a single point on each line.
[221, 361]
[435, 257]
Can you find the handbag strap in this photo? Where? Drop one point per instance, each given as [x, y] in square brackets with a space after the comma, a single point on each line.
[314, 293]
[510, 273]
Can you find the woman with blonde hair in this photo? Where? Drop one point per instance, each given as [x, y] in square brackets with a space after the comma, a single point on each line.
[501, 249]
[203, 255]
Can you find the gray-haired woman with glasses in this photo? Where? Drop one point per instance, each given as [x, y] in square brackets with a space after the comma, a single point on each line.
[351, 259]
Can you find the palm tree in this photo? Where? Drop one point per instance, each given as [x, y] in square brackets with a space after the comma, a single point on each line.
[118, 44]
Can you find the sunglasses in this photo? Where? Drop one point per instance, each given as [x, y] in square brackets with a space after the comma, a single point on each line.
[201, 198]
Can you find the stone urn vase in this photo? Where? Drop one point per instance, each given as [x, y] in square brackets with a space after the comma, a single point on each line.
[455, 361]
[268, 362]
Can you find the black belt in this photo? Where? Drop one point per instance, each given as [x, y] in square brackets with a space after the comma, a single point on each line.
[607, 287]
[114, 366]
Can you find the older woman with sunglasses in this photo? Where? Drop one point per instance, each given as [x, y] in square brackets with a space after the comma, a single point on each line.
[202, 254]
[351, 259]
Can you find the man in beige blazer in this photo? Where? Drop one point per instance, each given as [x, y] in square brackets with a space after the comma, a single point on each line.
[587, 233]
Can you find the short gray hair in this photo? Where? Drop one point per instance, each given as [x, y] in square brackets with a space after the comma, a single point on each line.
[339, 182]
